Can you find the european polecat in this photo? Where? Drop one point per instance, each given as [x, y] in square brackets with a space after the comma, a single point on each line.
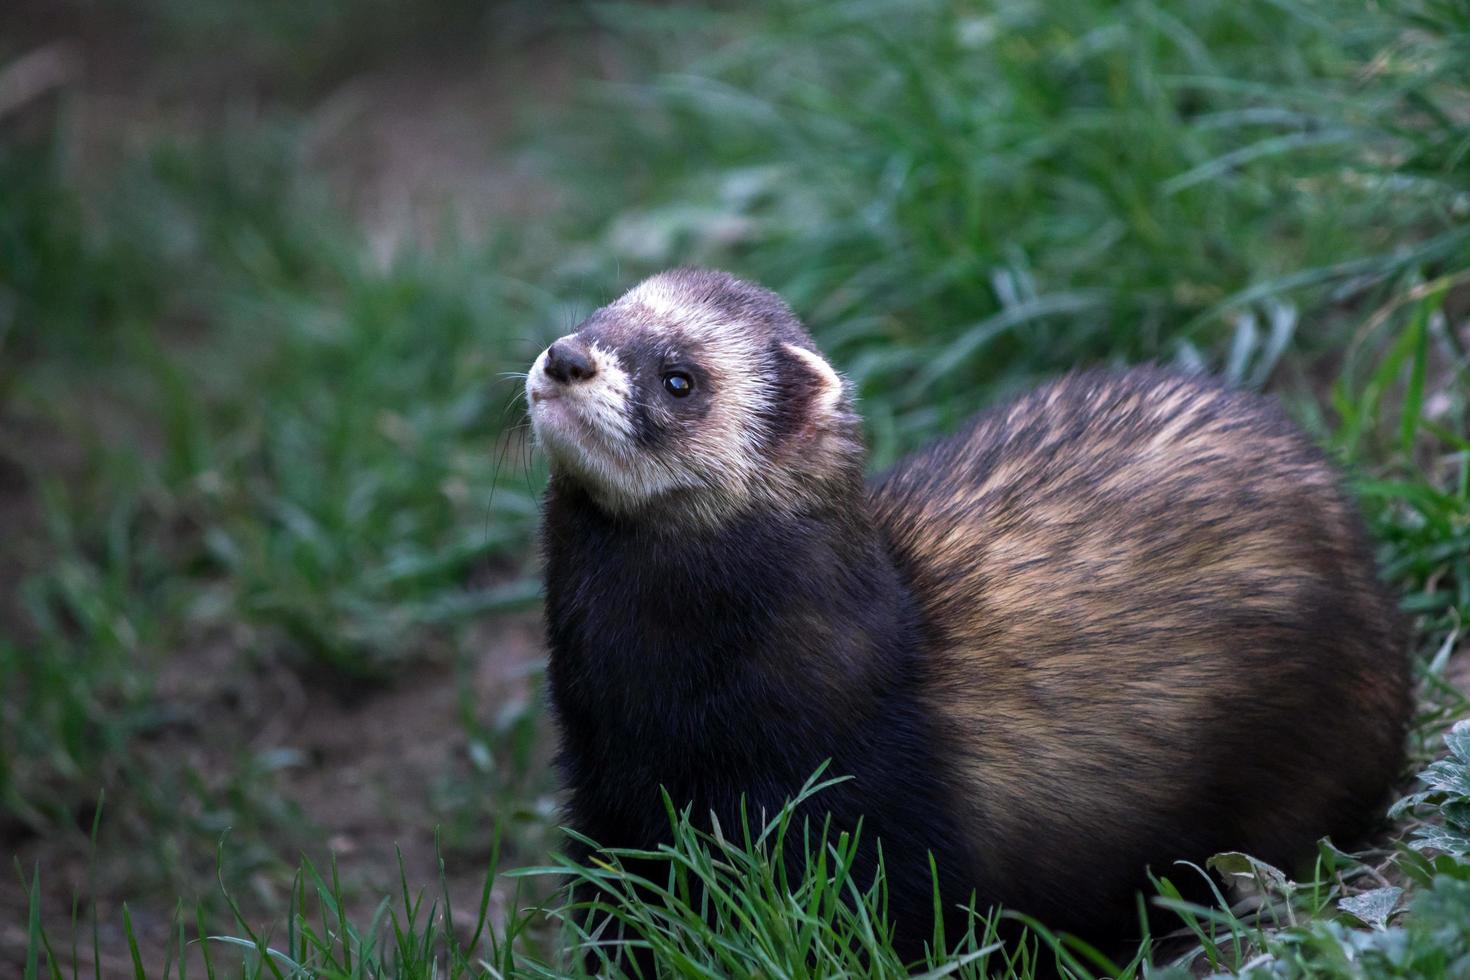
[1125, 619]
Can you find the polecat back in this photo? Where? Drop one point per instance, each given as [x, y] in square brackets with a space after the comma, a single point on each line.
[1159, 627]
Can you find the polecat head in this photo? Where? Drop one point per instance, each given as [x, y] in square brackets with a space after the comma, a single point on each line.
[699, 395]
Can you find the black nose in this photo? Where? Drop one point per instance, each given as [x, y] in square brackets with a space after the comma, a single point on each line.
[568, 360]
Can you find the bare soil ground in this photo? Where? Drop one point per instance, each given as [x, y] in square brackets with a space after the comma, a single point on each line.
[361, 774]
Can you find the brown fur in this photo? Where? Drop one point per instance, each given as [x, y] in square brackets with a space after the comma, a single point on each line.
[1143, 589]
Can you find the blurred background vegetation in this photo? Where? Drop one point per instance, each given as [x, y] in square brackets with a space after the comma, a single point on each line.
[268, 270]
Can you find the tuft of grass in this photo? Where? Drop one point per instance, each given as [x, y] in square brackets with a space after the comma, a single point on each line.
[778, 897]
[1403, 404]
[1350, 921]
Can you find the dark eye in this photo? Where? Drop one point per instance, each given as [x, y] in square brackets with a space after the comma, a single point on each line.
[678, 384]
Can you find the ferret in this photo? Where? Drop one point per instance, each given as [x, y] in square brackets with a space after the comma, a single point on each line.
[1126, 619]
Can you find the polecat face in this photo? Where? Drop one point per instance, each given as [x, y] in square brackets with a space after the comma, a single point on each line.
[697, 392]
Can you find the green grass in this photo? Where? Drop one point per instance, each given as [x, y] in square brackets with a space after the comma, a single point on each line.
[724, 903]
[238, 430]
[962, 199]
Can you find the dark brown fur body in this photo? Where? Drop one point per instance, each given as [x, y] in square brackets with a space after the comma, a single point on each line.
[1157, 631]
[1126, 619]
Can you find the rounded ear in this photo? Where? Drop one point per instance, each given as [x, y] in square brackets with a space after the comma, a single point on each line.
[813, 382]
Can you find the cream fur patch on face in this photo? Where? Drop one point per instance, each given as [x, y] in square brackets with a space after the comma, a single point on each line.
[671, 310]
[586, 428]
[653, 295]
[604, 398]
[587, 417]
